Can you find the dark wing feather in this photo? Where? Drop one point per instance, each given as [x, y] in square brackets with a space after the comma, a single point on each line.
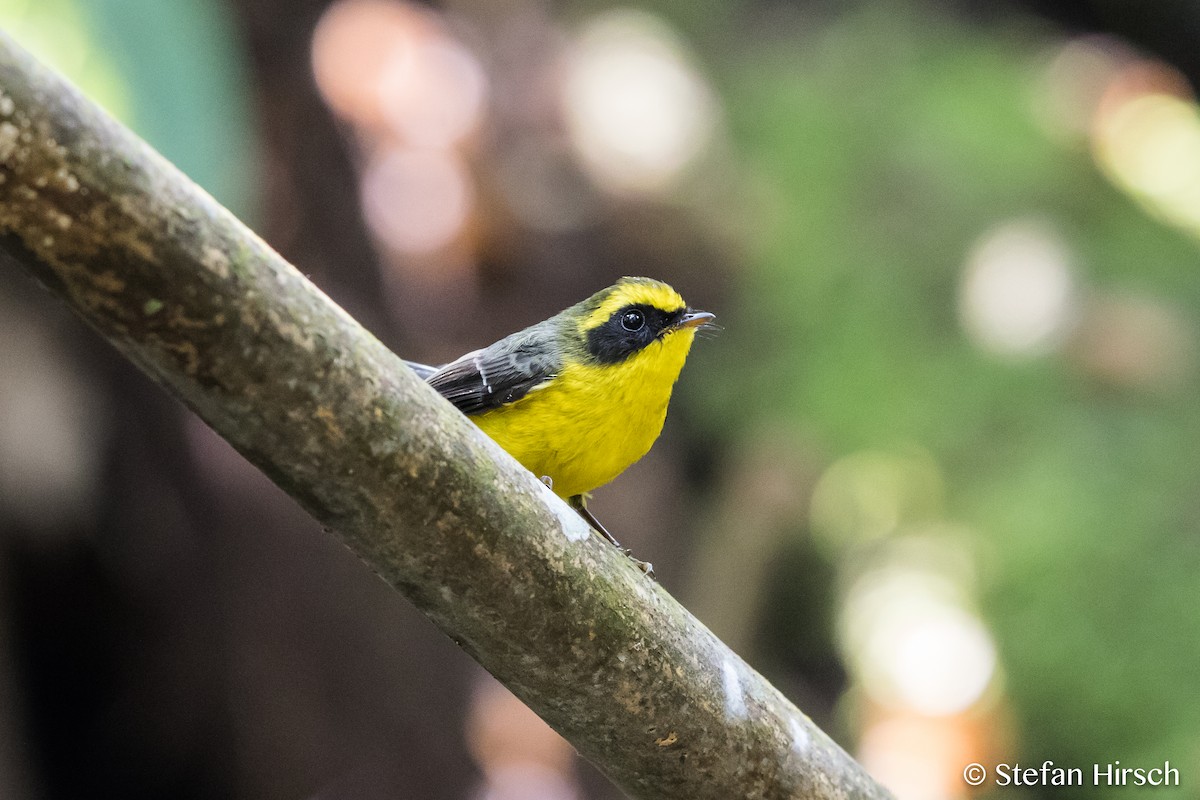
[500, 374]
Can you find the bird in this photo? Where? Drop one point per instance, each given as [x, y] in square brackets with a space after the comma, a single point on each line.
[581, 396]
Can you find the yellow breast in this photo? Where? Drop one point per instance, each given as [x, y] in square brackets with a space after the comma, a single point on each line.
[589, 424]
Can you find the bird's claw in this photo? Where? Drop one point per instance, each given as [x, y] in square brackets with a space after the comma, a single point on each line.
[645, 566]
[579, 503]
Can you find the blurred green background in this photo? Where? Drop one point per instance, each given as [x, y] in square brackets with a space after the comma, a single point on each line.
[937, 478]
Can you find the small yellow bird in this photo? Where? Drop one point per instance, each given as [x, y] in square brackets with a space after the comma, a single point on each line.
[579, 397]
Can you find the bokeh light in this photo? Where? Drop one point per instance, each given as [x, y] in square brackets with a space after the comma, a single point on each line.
[382, 62]
[1136, 341]
[919, 758]
[415, 95]
[416, 201]
[1150, 144]
[1074, 81]
[519, 755]
[636, 108]
[56, 32]
[868, 495]
[53, 428]
[353, 48]
[1018, 295]
[432, 91]
[911, 638]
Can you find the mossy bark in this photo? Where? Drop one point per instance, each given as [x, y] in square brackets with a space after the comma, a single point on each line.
[201, 304]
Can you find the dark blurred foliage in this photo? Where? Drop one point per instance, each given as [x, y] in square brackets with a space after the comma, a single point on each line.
[1168, 33]
[171, 625]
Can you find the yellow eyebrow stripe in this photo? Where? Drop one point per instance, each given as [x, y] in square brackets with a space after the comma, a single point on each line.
[658, 295]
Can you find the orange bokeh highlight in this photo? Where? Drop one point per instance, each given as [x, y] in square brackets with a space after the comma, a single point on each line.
[352, 47]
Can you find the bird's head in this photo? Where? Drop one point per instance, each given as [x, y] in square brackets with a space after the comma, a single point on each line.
[632, 314]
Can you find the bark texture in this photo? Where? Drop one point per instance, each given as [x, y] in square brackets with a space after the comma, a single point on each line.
[202, 305]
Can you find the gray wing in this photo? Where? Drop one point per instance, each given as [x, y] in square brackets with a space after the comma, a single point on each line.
[500, 374]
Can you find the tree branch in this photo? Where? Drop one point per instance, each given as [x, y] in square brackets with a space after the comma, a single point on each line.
[204, 307]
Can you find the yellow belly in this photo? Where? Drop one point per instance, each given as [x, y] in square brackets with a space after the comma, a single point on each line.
[588, 425]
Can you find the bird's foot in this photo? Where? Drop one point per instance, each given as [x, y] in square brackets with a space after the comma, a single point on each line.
[579, 503]
[645, 566]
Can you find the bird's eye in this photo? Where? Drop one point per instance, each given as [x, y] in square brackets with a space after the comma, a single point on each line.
[633, 320]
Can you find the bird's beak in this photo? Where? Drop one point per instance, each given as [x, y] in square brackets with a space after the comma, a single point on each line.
[694, 319]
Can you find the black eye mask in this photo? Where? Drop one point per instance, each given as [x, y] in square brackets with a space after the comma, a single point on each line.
[629, 329]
